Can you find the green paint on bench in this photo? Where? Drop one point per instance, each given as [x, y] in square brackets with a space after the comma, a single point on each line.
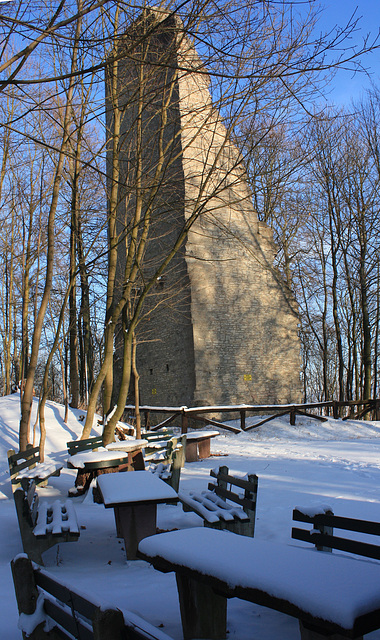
[26, 465]
[88, 444]
[76, 615]
[170, 461]
[28, 509]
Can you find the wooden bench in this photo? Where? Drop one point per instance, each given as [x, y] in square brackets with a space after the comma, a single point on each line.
[26, 465]
[42, 525]
[215, 507]
[90, 466]
[88, 444]
[199, 445]
[169, 466]
[134, 498]
[157, 443]
[333, 596]
[70, 614]
[322, 534]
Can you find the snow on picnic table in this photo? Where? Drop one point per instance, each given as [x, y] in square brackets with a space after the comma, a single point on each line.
[351, 587]
[79, 460]
[335, 463]
[138, 486]
[201, 435]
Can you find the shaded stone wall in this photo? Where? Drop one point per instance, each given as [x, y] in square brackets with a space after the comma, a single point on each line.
[220, 326]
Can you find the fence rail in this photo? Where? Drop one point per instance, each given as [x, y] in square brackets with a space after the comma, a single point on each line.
[344, 410]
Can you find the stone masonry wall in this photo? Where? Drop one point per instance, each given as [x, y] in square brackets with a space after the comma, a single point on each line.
[220, 327]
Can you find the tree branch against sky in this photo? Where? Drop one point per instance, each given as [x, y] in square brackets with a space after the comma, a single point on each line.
[266, 62]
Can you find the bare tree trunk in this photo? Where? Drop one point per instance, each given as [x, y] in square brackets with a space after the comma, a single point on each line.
[136, 378]
[27, 398]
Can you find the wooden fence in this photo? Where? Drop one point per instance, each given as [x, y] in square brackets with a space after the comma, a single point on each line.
[354, 410]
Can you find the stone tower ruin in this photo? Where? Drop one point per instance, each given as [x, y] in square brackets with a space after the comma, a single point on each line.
[220, 326]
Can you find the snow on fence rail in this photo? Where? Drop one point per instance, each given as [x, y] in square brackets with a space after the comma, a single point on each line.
[363, 407]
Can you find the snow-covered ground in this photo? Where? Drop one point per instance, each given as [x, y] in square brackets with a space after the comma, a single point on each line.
[333, 463]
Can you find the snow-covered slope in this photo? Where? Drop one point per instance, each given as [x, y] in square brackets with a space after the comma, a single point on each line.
[335, 463]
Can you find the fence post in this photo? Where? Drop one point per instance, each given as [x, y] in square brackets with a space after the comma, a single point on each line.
[377, 409]
[335, 409]
[325, 529]
[184, 421]
[242, 420]
[292, 416]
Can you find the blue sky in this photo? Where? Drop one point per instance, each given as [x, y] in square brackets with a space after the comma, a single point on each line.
[338, 12]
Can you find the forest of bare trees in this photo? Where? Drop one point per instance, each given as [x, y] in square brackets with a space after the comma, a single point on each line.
[314, 173]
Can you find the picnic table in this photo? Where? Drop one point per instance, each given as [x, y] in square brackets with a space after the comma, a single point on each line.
[126, 456]
[332, 595]
[198, 444]
[134, 498]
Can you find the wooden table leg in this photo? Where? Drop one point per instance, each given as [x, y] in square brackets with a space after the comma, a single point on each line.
[82, 483]
[138, 463]
[135, 522]
[191, 451]
[203, 612]
[204, 448]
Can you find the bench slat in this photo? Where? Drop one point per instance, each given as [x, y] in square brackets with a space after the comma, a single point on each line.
[65, 595]
[74, 626]
[339, 522]
[334, 542]
[75, 615]
[222, 508]
[26, 464]
[230, 495]
[237, 482]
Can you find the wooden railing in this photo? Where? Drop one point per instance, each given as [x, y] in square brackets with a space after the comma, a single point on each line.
[334, 407]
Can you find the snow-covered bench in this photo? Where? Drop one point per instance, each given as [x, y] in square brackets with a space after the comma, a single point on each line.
[42, 525]
[87, 444]
[26, 465]
[45, 603]
[221, 507]
[168, 461]
[323, 522]
[333, 596]
[199, 444]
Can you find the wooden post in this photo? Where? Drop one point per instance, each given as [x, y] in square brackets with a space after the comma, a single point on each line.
[292, 417]
[222, 483]
[204, 448]
[203, 612]
[25, 586]
[135, 522]
[335, 410]
[242, 420]
[108, 624]
[324, 529]
[377, 409]
[184, 422]
[27, 595]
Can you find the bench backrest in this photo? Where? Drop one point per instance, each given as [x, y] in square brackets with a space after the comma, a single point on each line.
[322, 533]
[163, 446]
[26, 501]
[224, 484]
[23, 460]
[76, 616]
[88, 444]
